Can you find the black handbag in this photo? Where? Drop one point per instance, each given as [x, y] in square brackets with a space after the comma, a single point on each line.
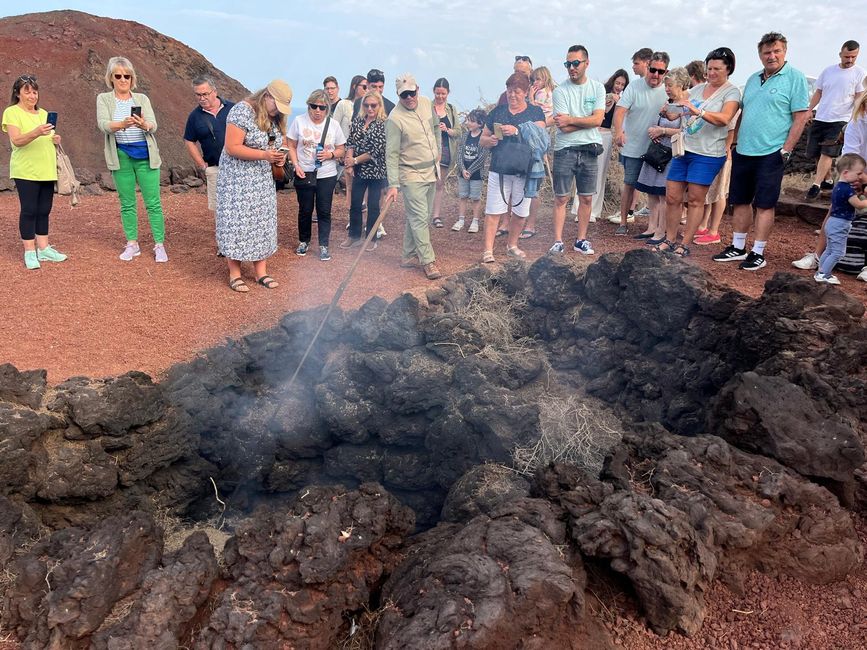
[657, 156]
[512, 158]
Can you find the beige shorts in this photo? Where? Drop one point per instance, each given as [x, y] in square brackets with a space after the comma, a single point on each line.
[211, 179]
[719, 189]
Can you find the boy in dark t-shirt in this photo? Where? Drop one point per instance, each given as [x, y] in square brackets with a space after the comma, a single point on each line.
[844, 201]
[471, 161]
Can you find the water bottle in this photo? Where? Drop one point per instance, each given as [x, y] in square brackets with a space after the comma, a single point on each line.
[316, 161]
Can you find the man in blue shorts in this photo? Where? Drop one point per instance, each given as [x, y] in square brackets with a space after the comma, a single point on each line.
[774, 113]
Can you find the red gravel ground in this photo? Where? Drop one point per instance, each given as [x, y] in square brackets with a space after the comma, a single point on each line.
[95, 315]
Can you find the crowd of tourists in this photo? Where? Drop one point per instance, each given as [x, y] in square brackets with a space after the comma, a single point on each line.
[688, 140]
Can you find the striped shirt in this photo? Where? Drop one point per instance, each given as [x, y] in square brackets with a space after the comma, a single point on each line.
[121, 112]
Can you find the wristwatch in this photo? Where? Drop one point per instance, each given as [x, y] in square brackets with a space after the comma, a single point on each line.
[785, 154]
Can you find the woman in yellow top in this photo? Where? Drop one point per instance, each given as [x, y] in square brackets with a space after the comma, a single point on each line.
[33, 167]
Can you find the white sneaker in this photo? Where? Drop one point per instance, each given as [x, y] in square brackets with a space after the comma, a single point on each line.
[831, 279]
[459, 225]
[592, 219]
[643, 212]
[380, 232]
[474, 226]
[615, 218]
[807, 263]
[863, 275]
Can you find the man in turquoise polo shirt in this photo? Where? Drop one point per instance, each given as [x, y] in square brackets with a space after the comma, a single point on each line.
[774, 113]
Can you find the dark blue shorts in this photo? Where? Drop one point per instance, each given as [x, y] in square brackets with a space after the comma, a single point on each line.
[695, 168]
[756, 180]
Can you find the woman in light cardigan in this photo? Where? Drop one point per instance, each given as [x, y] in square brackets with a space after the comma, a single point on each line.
[131, 154]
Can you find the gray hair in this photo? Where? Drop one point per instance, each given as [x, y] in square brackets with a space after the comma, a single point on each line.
[678, 77]
[318, 97]
[123, 63]
[204, 79]
[661, 56]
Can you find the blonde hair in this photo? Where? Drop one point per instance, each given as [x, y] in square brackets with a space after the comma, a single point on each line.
[121, 62]
[380, 111]
[260, 109]
[319, 97]
[678, 77]
[860, 110]
[543, 74]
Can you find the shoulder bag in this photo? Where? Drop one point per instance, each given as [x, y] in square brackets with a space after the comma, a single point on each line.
[67, 184]
[658, 155]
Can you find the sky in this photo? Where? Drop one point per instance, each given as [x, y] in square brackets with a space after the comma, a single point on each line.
[473, 44]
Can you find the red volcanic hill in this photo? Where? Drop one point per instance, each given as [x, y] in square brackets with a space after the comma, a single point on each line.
[67, 51]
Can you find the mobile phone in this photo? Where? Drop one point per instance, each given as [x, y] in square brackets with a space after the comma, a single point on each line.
[283, 149]
[52, 118]
[135, 111]
[498, 130]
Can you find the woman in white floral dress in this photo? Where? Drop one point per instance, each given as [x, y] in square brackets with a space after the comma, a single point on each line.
[246, 194]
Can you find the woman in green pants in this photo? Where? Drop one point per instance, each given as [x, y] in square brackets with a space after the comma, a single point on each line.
[127, 120]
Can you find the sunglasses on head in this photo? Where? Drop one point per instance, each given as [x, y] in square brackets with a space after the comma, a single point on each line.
[521, 57]
[27, 78]
[573, 64]
[656, 70]
[318, 107]
[122, 76]
[406, 94]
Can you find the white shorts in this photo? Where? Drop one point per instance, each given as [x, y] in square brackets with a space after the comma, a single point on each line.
[513, 190]
[211, 179]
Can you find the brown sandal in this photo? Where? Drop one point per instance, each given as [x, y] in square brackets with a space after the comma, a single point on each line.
[238, 284]
[268, 282]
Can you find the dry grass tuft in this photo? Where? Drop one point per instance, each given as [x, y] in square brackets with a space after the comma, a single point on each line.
[572, 431]
[362, 631]
[497, 317]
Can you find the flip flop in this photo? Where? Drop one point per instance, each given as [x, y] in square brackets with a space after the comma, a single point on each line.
[238, 284]
[268, 282]
[526, 234]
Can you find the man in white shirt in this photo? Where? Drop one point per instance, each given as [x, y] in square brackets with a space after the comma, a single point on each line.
[837, 89]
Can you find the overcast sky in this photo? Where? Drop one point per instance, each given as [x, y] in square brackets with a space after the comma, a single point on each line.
[473, 43]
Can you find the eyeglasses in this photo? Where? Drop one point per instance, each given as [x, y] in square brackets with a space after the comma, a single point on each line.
[317, 107]
[371, 105]
[122, 76]
[656, 71]
[522, 57]
[204, 95]
[406, 94]
[573, 64]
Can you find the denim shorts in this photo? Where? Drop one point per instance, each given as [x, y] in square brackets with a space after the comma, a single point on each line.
[695, 168]
[572, 164]
[469, 189]
[631, 169]
[756, 180]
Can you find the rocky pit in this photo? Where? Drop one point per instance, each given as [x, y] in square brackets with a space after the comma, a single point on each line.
[445, 471]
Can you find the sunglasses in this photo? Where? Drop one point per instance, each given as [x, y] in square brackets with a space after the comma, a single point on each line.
[656, 70]
[362, 86]
[317, 107]
[406, 94]
[523, 58]
[371, 105]
[573, 64]
[122, 76]
[27, 78]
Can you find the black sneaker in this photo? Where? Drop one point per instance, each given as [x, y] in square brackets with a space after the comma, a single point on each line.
[754, 262]
[826, 186]
[812, 193]
[730, 254]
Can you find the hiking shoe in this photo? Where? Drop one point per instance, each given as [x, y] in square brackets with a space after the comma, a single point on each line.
[324, 255]
[812, 193]
[514, 251]
[408, 263]
[615, 218]
[160, 254]
[863, 275]
[557, 248]
[730, 254]
[643, 212]
[131, 250]
[349, 243]
[830, 279]
[809, 262]
[459, 225]
[48, 254]
[621, 230]
[302, 249]
[474, 226]
[754, 262]
[31, 260]
[826, 186]
[431, 271]
[582, 246]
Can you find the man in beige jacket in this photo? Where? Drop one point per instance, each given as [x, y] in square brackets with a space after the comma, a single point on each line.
[412, 153]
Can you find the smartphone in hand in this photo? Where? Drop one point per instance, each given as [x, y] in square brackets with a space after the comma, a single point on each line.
[283, 149]
[135, 111]
[52, 118]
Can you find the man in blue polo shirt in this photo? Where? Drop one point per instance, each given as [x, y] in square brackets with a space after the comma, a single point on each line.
[774, 113]
[207, 126]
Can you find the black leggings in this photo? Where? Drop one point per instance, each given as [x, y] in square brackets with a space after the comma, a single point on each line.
[36, 198]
